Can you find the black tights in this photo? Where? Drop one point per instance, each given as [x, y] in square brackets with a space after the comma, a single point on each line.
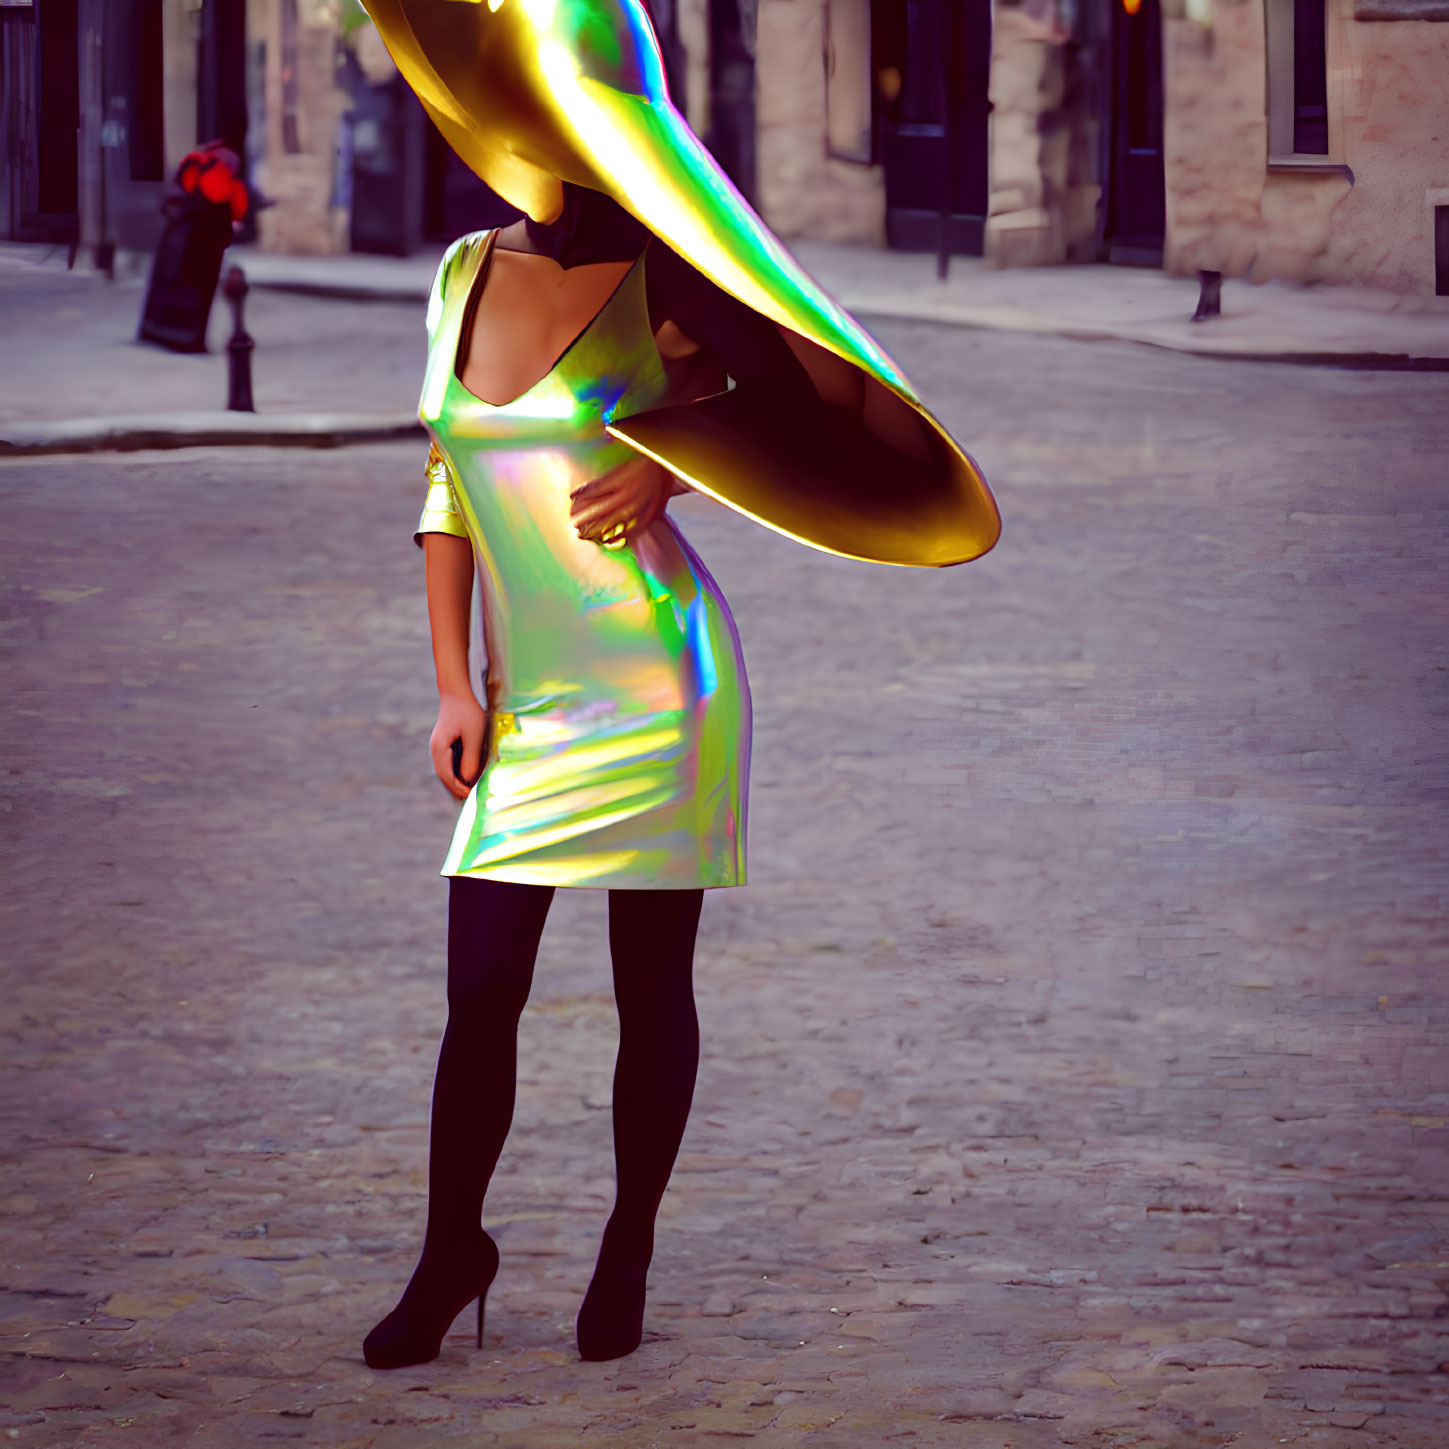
[493, 934]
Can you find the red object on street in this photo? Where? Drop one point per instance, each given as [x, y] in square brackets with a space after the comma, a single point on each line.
[202, 210]
[212, 170]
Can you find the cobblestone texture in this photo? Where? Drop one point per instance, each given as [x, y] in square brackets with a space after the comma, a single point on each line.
[1074, 1067]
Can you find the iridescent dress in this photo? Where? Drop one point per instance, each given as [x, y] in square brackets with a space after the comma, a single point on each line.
[619, 712]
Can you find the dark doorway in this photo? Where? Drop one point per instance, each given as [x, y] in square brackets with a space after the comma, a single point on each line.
[221, 86]
[146, 130]
[1136, 190]
[386, 135]
[932, 65]
[133, 127]
[19, 163]
[455, 200]
[59, 115]
[405, 185]
[732, 91]
[221, 74]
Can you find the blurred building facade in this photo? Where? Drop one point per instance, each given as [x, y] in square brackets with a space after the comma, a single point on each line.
[1297, 139]
[102, 99]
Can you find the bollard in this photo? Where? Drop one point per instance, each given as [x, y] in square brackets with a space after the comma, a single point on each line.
[1210, 296]
[239, 348]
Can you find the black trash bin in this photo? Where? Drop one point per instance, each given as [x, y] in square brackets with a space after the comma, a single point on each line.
[206, 199]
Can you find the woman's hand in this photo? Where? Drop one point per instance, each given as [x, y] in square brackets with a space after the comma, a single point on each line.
[460, 717]
[612, 509]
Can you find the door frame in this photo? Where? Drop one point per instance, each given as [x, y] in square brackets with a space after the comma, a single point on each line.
[1140, 249]
[954, 224]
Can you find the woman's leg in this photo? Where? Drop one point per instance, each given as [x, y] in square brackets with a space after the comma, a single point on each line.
[493, 934]
[494, 928]
[651, 938]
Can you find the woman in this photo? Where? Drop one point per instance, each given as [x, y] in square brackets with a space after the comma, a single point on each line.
[577, 368]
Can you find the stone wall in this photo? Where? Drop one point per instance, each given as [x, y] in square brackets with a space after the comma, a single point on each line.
[1389, 104]
[803, 191]
[1371, 223]
[298, 171]
[1215, 139]
[1044, 188]
[180, 27]
[1043, 185]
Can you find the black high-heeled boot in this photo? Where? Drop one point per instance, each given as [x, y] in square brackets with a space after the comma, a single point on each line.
[611, 1321]
[651, 938]
[436, 1294]
[493, 933]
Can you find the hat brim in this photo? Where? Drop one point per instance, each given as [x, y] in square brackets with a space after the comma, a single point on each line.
[533, 95]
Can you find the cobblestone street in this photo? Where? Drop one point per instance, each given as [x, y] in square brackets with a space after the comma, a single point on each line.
[1074, 1066]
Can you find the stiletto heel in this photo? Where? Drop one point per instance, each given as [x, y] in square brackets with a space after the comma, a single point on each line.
[414, 1331]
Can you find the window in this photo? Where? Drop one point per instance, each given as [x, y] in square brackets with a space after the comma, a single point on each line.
[1297, 79]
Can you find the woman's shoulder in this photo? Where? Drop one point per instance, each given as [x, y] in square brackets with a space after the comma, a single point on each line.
[459, 258]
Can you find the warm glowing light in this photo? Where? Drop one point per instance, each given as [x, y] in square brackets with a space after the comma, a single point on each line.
[1132, 6]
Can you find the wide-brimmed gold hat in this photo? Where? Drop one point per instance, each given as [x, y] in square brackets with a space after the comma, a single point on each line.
[532, 93]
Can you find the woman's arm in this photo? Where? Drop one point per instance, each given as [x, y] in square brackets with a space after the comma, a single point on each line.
[705, 337]
[448, 561]
[623, 502]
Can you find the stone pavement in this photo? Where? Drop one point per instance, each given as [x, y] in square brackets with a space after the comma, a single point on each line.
[61, 324]
[1073, 1064]
[70, 363]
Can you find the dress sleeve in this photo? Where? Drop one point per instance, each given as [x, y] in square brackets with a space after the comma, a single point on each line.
[440, 506]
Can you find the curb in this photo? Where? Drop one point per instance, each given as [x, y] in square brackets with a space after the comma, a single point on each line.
[342, 291]
[131, 433]
[1070, 332]
[865, 305]
[1074, 332]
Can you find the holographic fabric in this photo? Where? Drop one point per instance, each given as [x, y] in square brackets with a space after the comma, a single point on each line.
[619, 713]
[531, 93]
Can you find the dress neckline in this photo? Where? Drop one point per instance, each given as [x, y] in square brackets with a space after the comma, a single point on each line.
[476, 284]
